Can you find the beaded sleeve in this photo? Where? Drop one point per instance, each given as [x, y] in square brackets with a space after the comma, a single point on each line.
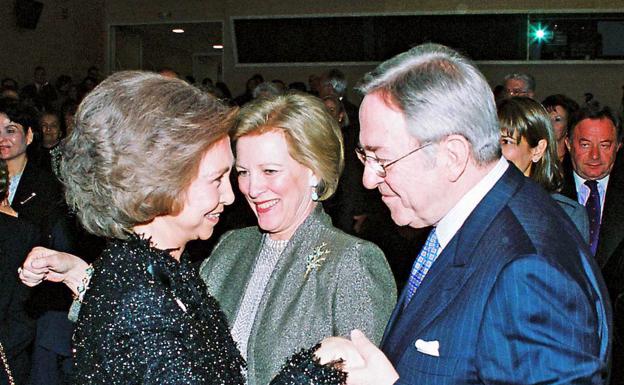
[304, 368]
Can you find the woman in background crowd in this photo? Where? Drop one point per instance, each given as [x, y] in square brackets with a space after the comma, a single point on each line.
[36, 195]
[560, 108]
[528, 141]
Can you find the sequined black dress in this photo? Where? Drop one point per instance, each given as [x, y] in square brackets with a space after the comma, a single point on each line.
[147, 319]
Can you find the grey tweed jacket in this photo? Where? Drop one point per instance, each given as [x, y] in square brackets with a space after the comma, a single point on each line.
[352, 288]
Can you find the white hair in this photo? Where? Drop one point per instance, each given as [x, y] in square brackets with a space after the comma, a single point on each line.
[441, 93]
[529, 81]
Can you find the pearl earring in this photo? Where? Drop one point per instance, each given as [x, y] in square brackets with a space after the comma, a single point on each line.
[314, 194]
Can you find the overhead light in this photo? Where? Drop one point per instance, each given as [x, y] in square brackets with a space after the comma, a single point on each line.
[177, 30]
[218, 46]
[540, 33]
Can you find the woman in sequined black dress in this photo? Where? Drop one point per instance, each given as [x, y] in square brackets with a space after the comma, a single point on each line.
[148, 166]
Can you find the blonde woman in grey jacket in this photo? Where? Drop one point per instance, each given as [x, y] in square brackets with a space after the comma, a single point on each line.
[294, 278]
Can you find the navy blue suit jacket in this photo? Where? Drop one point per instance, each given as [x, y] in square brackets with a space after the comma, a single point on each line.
[514, 298]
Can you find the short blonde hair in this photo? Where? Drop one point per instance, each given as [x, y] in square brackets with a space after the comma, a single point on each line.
[313, 136]
[135, 149]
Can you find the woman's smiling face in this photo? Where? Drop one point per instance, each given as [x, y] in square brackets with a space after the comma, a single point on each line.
[276, 186]
[14, 139]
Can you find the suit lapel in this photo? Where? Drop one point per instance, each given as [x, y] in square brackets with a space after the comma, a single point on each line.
[438, 288]
[25, 188]
[450, 271]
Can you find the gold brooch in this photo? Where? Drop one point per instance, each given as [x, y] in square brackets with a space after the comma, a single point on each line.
[316, 259]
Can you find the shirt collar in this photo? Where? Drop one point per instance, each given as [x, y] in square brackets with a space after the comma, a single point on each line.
[580, 182]
[455, 218]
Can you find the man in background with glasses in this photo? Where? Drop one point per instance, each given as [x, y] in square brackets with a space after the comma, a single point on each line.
[505, 290]
[519, 84]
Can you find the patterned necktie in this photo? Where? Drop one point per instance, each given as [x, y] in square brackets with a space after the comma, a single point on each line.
[423, 263]
[593, 213]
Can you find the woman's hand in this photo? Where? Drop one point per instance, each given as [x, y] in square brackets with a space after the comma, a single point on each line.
[337, 348]
[375, 369]
[51, 265]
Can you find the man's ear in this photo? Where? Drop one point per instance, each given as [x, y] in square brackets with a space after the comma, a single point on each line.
[457, 150]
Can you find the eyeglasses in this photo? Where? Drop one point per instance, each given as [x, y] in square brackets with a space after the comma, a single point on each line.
[380, 167]
[517, 92]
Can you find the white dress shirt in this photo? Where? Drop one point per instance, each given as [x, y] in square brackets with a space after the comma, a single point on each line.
[450, 224]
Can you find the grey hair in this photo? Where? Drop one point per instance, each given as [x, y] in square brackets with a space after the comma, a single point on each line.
[529, 80]
[266, 89]
[135, 149]
[441, 93]
[336, 79]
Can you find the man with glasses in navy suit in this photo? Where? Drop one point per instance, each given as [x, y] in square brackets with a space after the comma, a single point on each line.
[505, 290]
